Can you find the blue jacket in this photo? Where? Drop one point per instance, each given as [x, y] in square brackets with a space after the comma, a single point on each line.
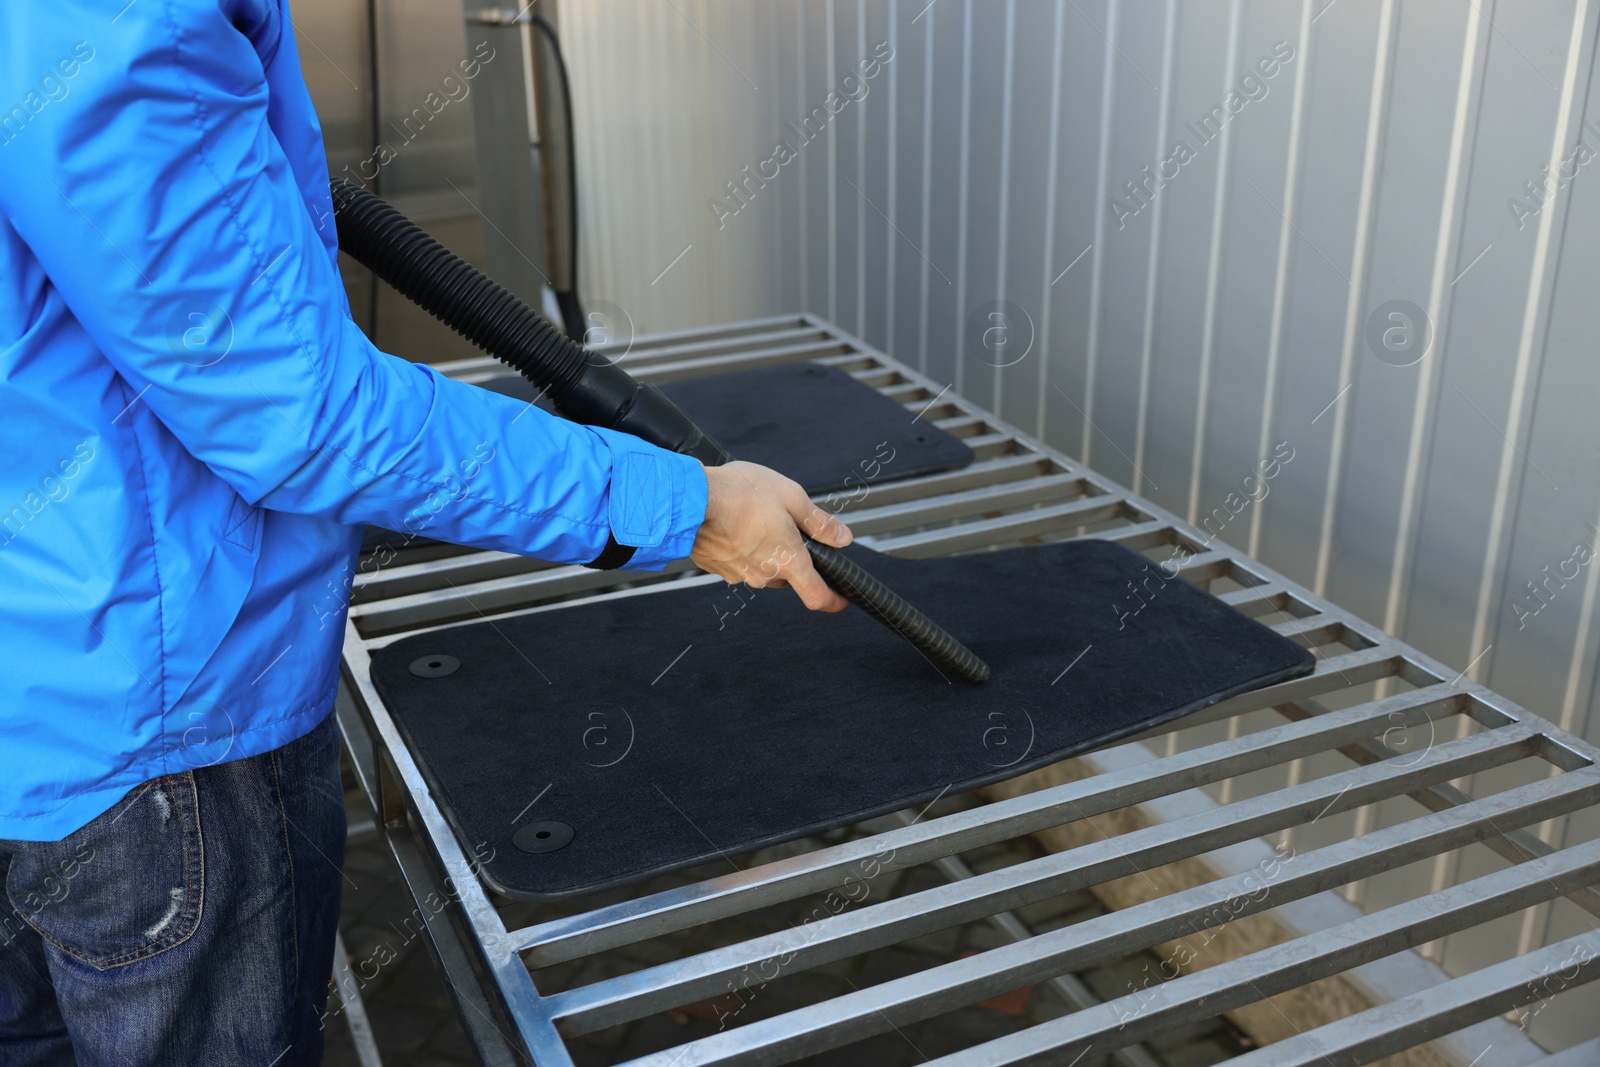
[193, 430]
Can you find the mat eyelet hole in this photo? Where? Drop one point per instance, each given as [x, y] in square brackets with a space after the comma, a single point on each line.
[435, 666]
[540, 837]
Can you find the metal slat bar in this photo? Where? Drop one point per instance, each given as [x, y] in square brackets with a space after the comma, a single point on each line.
[661, 364]
[1409, 1021]
[480, 599]
[635, 356]
[1234, 983]
[862, 362]
[1515, 846]
[1265, 600]
[1034, 494]
[989, 446]
[1013, 527]
[688, 362]
[1005, 470]
[747, 332]
[1585, 1055]
[1012, 474]
[849, 933]
[878, 375]
[644, 917]
[750, 329]
[1312, 630]
[746, 327]
[1197, 569]
[492, 1046]
[406, 579]
[964, 425]
[1329, 675]
[947, 986]
[419, 837]
[920, 407]
[466, 599]
[1074, 990]
[699, 366]
[350, 1004]
[683, 580]
[1143, 535]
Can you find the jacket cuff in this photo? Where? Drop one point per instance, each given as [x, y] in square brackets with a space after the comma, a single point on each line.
[656, 502]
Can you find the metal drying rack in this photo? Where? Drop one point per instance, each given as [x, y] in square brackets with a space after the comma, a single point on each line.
[1364, 707]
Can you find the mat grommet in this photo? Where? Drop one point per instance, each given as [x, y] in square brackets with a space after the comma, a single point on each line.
[435, 666]
[543, 837]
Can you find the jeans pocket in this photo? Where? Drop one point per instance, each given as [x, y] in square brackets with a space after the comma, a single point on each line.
[127, 886]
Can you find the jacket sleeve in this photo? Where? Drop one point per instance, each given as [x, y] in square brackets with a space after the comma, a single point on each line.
[162, 205]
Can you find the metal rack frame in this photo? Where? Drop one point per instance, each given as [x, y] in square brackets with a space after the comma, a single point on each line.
[1366, 686]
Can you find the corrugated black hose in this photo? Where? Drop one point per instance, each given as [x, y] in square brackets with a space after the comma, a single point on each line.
[585, 386]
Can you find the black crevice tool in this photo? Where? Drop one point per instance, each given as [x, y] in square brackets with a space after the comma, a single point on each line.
[587, 387]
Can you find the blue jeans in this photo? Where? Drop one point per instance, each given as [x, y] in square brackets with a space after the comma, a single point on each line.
[193, 923]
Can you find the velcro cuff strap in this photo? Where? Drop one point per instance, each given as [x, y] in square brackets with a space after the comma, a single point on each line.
[612, 556]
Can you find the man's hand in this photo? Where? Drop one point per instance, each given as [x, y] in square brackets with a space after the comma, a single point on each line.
[751, 533]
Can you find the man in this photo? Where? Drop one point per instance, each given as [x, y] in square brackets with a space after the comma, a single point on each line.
[193, 434]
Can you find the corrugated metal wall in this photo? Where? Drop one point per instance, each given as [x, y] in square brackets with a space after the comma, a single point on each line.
[1357, 232]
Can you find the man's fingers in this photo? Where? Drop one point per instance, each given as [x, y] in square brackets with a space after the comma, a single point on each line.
[813, 592]
[752, 509]
[821, 526]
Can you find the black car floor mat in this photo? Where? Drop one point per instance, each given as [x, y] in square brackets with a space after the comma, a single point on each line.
[592, 746]
[815, 423]
[818, 425]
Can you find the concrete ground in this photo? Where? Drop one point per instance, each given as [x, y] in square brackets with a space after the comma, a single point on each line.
[415, 1023]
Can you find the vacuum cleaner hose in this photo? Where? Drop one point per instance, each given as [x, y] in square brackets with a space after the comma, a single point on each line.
[883, 604]
[585, 386]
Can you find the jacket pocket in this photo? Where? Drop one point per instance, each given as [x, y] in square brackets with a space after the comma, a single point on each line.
[124, 888]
